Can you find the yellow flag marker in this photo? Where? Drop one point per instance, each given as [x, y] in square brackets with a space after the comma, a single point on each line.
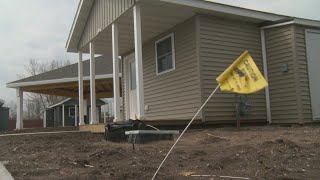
[243, 76]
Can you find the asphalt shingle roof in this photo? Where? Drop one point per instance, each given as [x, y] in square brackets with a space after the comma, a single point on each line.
[102, 63]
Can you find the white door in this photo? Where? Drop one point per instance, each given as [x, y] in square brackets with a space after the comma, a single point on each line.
[313, 53]
[132, 89]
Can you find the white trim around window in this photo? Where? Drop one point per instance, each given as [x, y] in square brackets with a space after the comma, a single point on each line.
[173, 54]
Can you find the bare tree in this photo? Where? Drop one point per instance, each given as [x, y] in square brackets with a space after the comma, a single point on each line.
[36, 103]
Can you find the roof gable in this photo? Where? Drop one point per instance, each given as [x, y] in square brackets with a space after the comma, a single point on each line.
[92, 17]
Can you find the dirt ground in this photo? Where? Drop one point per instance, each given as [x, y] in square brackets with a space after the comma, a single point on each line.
[254, 152]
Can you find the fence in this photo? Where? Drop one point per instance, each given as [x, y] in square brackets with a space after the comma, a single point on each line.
[34, 123]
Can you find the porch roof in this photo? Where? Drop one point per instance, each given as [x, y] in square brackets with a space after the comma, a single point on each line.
[64, 81]
[158, 16]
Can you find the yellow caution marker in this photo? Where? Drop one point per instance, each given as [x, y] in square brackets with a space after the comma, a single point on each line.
[243, 76]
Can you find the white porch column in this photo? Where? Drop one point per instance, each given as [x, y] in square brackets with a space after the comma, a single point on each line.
[45, 119]
[75, 115]
[63, 119]
[19, 121]
[92, 85]
[116, 87]
[80, 84]
[138, 61]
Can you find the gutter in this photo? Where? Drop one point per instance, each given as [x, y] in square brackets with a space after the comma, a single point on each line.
[298, 21]
[265, 73]
[278, 25]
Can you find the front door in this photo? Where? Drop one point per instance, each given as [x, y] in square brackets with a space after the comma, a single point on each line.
[132, 89]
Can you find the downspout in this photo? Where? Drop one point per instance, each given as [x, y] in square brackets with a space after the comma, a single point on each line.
[265, 73]
[265, 64]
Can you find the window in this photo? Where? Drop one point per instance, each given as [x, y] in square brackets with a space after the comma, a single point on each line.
[165, 55]
[72, 111]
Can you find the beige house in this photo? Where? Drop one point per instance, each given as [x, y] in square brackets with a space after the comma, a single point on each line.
[173, 50]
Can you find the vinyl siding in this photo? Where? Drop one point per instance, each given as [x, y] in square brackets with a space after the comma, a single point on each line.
[283, 85]
[174, 95]
[221, 41]
[102, 14]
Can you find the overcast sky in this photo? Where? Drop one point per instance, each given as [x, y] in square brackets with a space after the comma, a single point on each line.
[39, 29]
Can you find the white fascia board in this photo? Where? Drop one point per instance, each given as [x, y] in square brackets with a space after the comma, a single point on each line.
[222, 8]
[307, 22]
[78, 24]
[56, 81]
[59, 103]
[74, 23]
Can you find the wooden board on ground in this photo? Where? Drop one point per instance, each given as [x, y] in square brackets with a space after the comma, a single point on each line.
[93, 128]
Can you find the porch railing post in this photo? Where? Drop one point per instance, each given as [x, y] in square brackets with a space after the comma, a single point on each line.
[75, 115]
[63, 116]
[45, 118]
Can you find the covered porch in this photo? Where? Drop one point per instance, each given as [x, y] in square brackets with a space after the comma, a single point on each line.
[96, 31]
[65, 82]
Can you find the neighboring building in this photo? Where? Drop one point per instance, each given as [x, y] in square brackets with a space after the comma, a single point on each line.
[172, 52]
[66, 113]
[4, 116]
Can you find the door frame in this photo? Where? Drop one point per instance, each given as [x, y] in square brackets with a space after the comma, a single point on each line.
[307, 31]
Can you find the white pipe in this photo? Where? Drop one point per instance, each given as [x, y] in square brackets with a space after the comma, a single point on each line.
[265, 72]
[153, 127]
